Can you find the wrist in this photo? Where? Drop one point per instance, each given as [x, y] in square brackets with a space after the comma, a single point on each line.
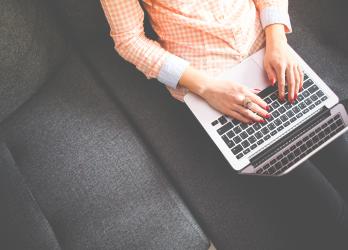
[275, 35]
[196, 81]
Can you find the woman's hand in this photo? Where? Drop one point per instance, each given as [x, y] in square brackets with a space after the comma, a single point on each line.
[280, 63]
[229, 98]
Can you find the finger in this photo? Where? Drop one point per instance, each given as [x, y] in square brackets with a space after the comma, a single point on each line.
[301, 77]
[256, 91]
[235, 115]
[270, 73]
[260, 111]
[297, 80]
[248, 113]
[281, 82]
[290, 77]
[257, 100]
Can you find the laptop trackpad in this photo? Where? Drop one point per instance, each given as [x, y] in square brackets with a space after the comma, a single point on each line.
[248, 73]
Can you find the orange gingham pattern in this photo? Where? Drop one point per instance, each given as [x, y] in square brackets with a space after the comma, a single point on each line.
[212, 35]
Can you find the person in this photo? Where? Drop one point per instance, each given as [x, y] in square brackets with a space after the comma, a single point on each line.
[199, 39]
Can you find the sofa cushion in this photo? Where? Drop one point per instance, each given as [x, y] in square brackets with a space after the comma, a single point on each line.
[90, 173]
[23, 225]
[31, 49]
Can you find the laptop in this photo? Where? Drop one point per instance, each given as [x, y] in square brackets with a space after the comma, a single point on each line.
[294, 132]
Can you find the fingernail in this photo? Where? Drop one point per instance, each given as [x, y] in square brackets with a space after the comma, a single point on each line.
[295, 96]
[267, 107]
[267, 116]
[261, 120]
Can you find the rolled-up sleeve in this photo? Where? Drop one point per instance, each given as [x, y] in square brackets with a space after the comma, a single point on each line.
[126, 20]
[274, 11]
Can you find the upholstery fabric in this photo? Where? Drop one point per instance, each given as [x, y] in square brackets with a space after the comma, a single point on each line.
[22, 223]
[31, 49]
[95, 182]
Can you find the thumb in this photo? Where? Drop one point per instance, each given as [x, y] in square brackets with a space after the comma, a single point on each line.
[271, 74]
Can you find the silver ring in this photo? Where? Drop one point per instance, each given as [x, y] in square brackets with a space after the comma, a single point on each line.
[247, 103]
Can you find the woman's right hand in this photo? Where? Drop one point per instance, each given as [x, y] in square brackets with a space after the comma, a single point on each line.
[226, 96]
[229, 98]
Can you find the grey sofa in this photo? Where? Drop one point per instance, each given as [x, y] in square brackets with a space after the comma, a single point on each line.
[94, 156]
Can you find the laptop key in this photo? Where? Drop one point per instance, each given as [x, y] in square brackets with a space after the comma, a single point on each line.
[308, 101]
[253, 146]
[290, 114]
[273, 132]
[280, 128]
[246, 151]
[228, 142]
[267, 137]
[237, 139]
[225, 128]
[275, 113]
[296, 110]
[236, 150]
[284, 118]
[268, 100]
[243, 126]
[256, 126]
[281, 109]
[222, 120]
[319, 93]
[237, 130]
[260, 142]
[317, 102]
[230, 134]
[250, 131]
[245, 144]
[314, 97]
[313, 89]
[287, 123]
[258, 135]
[271, 126]
[244, 135]
[293, 119]
[275, 104]
[277, 122]
[265, 130]
[252, 139]
[214, 123]
[239, 156]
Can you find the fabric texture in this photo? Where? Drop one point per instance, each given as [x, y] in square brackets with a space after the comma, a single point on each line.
[89, 172]
[23, 225]
[211, 35]
[31, 50]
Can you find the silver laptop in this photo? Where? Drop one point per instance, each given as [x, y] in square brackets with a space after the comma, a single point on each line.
[293, 133]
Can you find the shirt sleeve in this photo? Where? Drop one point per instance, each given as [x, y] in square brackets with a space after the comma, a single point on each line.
[274, 11]
[126, 20]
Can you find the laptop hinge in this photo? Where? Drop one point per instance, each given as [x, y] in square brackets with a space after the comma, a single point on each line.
[290, 137]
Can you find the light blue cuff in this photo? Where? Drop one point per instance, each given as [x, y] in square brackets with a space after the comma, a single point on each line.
[172, 69]
[272, 15]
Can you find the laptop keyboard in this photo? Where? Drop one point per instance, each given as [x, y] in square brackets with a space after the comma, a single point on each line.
[243, 138]
[281, 162]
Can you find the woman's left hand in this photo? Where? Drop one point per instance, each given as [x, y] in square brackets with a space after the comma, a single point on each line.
[280, 64]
